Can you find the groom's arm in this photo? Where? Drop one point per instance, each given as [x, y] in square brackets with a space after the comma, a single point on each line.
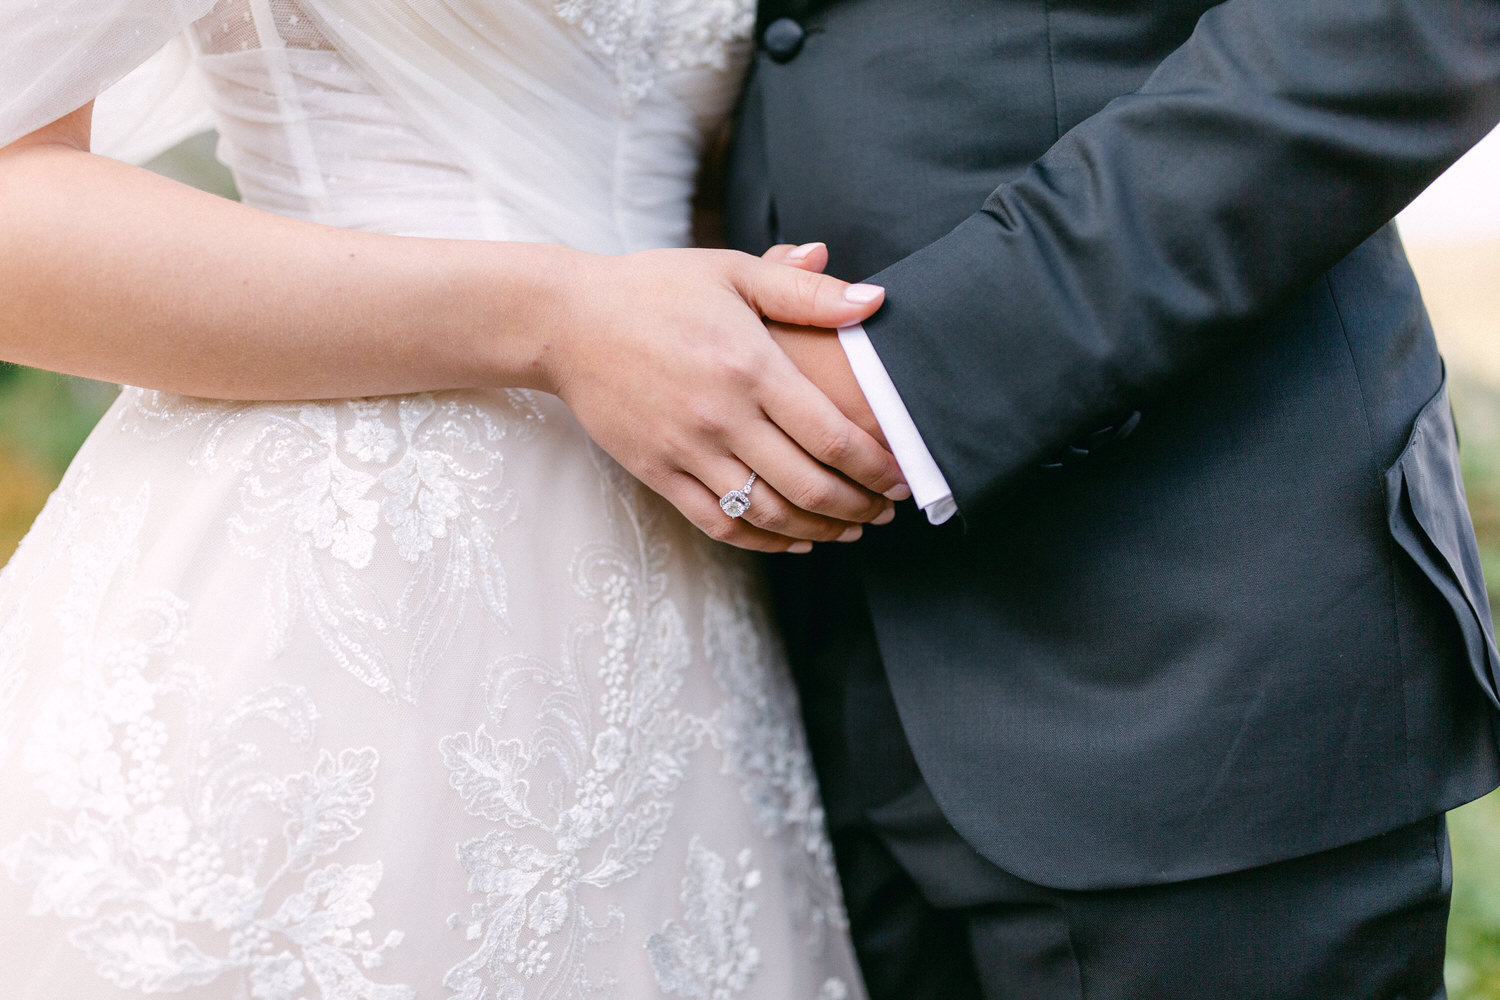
[1163, 228]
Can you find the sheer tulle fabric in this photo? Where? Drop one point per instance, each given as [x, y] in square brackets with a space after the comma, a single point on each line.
[416, 696]
[61, 54]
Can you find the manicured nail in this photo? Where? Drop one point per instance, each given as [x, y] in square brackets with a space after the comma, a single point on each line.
[802, 252]
[863, 295]
[851, 533]
[886, 516]
[898, 492]
[800, 547]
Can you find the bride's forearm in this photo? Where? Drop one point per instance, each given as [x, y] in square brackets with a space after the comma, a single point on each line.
[111, 272]
[114, 273]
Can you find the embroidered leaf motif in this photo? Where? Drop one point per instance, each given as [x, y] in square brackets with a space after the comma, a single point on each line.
[487, 773]
[637, 837]
[142, 951]
[72, 867]
[327, 804]
[710, 954]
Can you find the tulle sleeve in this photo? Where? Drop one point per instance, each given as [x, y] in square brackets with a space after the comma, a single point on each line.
[57, 55]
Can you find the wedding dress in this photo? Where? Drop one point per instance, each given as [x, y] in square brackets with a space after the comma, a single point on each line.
[403, 697]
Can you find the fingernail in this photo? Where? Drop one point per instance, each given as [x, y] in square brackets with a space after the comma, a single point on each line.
[800, 253]
[886, 516]
[851, 533]
[800, 547]
[863, 295]
[898, 492]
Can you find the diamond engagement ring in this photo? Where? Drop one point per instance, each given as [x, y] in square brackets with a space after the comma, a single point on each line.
[736, 502]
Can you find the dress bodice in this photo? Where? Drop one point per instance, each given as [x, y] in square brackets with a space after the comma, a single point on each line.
[572, 121]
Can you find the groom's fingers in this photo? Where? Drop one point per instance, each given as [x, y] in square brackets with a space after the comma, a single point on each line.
[809, 422]
[793, 295]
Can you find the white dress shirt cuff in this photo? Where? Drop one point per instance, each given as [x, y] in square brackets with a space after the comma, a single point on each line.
[928, 487]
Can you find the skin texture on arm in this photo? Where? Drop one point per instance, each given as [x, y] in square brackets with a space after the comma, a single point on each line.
[113, 273]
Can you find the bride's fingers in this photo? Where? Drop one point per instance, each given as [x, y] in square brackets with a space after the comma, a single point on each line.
[819, 502]
[820, 429]
[769, 510]
[772, 512]
[698, 503]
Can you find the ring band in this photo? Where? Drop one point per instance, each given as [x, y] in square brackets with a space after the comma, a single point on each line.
[736, 502]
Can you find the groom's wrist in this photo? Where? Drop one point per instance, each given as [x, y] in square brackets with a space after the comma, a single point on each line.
[929, 487]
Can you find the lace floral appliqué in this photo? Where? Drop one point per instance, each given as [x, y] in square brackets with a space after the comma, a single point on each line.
[710, 956]
[329, 488]
[583, 800]
[160, 869]
[647, 37]
[760, 732]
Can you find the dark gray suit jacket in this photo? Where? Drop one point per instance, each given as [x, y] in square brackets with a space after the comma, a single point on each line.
[1249, 624]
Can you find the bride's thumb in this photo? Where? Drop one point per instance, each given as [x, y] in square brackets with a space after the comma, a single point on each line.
[803, 298]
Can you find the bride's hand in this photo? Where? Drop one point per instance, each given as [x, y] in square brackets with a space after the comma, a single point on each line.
[816, 351]
[669, 367]
[817, 354]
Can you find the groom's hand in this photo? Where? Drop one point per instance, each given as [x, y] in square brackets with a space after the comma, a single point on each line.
[667, 363]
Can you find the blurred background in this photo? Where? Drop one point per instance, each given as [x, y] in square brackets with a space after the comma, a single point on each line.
[1453, 237]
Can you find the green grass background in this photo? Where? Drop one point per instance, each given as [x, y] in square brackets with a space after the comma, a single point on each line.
[1474, 929]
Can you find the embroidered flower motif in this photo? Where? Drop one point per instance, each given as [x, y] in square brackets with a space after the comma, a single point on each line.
[548, 911]
[834, 989]
[162, 832]
[370, 440]
[280, 976]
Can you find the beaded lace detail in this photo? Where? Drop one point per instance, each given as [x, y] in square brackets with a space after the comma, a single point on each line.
[647, 37]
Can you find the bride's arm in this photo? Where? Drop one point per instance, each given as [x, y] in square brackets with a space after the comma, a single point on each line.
[114, 273]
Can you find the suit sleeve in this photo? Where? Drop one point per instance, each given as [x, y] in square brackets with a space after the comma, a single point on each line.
[1163, 228]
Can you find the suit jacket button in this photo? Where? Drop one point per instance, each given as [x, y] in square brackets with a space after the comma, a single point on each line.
[782, 39]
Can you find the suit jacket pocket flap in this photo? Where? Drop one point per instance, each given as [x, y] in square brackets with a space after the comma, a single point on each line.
[1429, 518]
